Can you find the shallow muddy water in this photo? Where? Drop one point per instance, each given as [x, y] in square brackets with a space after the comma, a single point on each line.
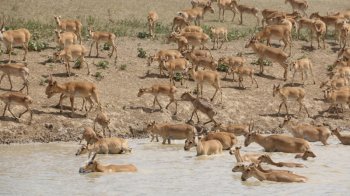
[52, 169]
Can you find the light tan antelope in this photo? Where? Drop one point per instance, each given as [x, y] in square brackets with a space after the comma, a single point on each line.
[200, 3]
[307, 24]
[245, 9]
[71, 25]
[308, 132]
[285, 93]
[189, 38]
[161, 55]
[200, 104]
[206, 76]
[305, 155]
[209, 147]
[303, 66]
[65, 39]
[228, 140]
[94, 166]
[174, 66]
[226, 5]
[160, 89]
[179, 23]
[244, 71]
[241, 166]
[18, 37]
[277, 176]
[301, 5]
[89, 136]
[341, 72]
[344, 139]
[328, 20]
[105, 37]
[103, 120]
[218, 33]
[152, 19]
[17, 70]
[207, 62]
[279, 32]
[237, 129]
[267, 159]
[266, 15]
[248, 157]
[336, 97]
[84, 89]
[171, 131]
[231, 62]
[345, 53]
[267, 52]
[192, 28]
[278, 143]
[319, 29]
[70, 53]
[112, 145]
[335, 83]
[196, 14]
[17, 98]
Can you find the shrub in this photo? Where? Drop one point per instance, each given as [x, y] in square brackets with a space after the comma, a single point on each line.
[98, 76]
[222, 68]
[77, 64]
[141, 53]
[123, 67]
[265, 62]
[178, 77]
[106, 46]
[102, 64]
[142, 35]
[38, 46]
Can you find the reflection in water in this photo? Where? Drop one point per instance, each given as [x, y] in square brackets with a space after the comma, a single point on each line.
[41, 169]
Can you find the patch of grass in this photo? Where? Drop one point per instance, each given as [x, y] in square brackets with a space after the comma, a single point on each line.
[37, 46]
[222, 68]
[123, 67]
[162, 29]
[106, 46]
[265, 62]
[98, 76]
[77, 64]
[102, 64]
[303, 36]
[143, 35]
[330, 67]
[141, 53]
[178, 77]
[235, 34]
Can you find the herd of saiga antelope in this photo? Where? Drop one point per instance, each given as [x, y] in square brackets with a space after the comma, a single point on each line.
[280, 25]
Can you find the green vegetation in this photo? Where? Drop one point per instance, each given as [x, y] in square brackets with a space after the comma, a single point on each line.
[178, 77]
[141, 53]
[123, 67]
[98, 76]
[102, 64]
[106, 46]
[143, 35]
[37, 46]
[222, 68]
[265, 62]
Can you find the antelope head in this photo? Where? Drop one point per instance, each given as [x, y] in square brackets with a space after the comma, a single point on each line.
[91, 166]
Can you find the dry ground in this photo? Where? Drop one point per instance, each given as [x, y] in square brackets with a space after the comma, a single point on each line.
[118, 88]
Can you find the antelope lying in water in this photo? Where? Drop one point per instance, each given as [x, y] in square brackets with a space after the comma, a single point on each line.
[267, 159]
[344, 139]
[94, 166]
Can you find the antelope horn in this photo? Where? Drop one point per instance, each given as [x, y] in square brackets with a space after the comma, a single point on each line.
[94, 156]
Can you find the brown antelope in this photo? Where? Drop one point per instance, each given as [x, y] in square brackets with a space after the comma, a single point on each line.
[200, 104]
[70, 53]
[301, 5]
[207, 62]
[171, 131]
[342, 14]
[206, 76]
[73, 89]
[113, 145]
[243, 71]
[328, 20]
[308, 132]
[267, 159]
[189, 38]
[174, 66]
[285, 93]
[103, 120]
[237, 129]
[277, 176]
[278, 143]
[225, 5]
[344, 139]
[94, 166]
[218, 33]
[89, 136]
[69, 25]
[11, 38]
[196, 14]
[204, 147]
[17, 70]
[192, 28]
[179, 23]
[305, 155]
[320, 30]
[335, 83]
[306, 23]
[251, 157]
[161, 55]
[65, 39]
[275, 17]
[160, 89]
[302, 65]
[226, 139]
[279, 32]
[267, 52]
[247, 10]
[17, 98]
[345, 53]
[231, 62]
[200, 3]
[266, 15]
[106, 37]
[336, 97]
[152, 18]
